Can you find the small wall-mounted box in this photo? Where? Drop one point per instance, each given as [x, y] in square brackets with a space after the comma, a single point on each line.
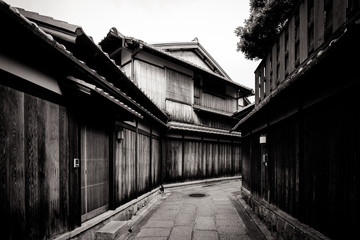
[76, 163]
[262, 139]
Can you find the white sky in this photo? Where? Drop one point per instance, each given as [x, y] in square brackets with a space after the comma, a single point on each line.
[212, 21]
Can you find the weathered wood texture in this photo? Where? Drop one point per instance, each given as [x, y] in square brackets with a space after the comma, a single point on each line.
[94, 169]
[151, 79]
[313, 146]
[136, 176]
[33, 165]
[192, 160]
[225, 103]
[306, 34]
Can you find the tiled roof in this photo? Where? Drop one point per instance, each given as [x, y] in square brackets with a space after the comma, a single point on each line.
[49, 26]
[104, 94]
[202, 129]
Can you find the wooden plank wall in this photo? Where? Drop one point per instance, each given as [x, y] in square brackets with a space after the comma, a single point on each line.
[33, 165]
[339, 18]
[151, 79]
[188, 159]
[137, 164]
[227, 104]
[313, 145]
[125, 167]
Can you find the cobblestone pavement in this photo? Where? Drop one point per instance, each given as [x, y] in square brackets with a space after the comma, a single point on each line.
[208, 211]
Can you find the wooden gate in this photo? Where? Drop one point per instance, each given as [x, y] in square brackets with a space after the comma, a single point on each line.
[94, 170]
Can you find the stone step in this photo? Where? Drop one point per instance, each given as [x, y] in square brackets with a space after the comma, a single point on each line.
[111, 230]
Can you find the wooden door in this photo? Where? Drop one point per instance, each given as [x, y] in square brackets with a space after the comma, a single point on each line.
[94, 170]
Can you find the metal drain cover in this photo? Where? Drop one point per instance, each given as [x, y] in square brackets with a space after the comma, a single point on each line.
[197, 195]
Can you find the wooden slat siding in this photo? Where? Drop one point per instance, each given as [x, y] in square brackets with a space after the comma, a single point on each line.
[261, 82]
[339, 13]
[179, 86]
[246, 161]
[129, 166]
[318, 23]
[156, 162]
[63, 168]
[267, 74]
[150, 180]
[274, 68]
[112, 162]
[74, 173]
[207, 159]
[95, 146]
[257, 87]
[192, 161]
[143, 164]
[152, 80]
[303, 31]
[31, 165]
[236, 156]
[173, 165]
[43, 185]
[291, 44]
[14, 156]
[52, 163]
[4, 166]
[227, 104]
[180, 112]
[282, 57]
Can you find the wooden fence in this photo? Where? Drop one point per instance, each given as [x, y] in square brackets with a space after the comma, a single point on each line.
[189, 159]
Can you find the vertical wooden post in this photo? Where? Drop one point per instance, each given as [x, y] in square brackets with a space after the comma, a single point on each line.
[182, 157]
[151, 160]
[112, 166]
[74, 176]
[136, 155]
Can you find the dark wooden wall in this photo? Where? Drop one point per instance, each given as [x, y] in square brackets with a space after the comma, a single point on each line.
[34, 167]
[312, 130]
[137, 164]
[193, 159]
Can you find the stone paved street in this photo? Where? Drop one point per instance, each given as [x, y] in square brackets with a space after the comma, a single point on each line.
[212, 212]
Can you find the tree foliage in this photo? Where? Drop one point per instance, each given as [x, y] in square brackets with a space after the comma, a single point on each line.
[267, 17]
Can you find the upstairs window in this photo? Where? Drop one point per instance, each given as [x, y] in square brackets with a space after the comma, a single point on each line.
[310, 16]
[328, 18]
[214, 87]
[179, 87]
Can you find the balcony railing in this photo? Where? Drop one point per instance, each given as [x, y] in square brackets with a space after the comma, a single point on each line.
[311, 25]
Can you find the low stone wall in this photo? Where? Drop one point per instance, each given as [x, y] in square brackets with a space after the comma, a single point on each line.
[126, 212]
[280, 224]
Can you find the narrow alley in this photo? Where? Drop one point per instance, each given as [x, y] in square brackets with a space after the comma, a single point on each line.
[208, 211]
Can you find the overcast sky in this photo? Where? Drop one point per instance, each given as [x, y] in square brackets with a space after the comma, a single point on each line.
[212, 21]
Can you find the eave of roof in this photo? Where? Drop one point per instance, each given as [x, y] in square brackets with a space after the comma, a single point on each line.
[60, 48]
[211, 110]
[75, 35]
[192, 45]
[93, 89]
[201, 129]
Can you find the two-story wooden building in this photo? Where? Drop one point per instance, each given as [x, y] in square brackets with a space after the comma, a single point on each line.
[78, 139]
[202, 101]
[300, 144]
[86, 135]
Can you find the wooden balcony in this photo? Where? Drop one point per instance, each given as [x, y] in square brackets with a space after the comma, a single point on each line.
[311, 27]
